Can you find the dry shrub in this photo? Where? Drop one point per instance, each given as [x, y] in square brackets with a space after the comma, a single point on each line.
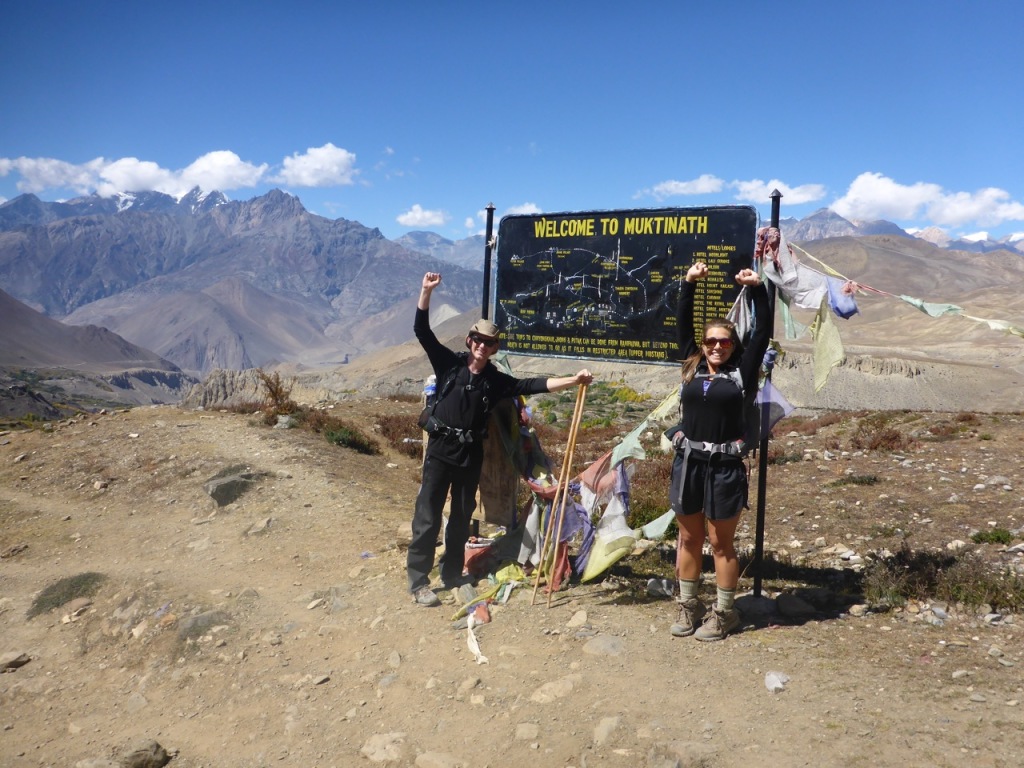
[874, 433]
[278, 393]
[964, 578]
[402, 397]
[67, 589]
[401, 433]
[777, 454]
[805, 426]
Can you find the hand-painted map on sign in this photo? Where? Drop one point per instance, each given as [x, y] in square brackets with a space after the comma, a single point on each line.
[605, 284]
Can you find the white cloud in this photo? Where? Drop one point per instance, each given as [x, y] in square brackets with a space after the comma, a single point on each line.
[132, 175]
[325, 166]
[42, 173]
[986, 207]
[706, 184]
[469, 223]
[874, 196]
[524, 209]
[975, 237]
[759, 192]
[418, 217]
[220, 170]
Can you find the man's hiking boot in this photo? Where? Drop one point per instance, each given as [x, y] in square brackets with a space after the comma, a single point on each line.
[690, 613]
[718, 624]
[425, 596]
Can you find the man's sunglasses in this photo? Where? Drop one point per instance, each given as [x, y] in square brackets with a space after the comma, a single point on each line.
[711, 341]
[477, 339]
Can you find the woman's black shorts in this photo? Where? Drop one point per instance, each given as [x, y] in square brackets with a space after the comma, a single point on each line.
[716, 487]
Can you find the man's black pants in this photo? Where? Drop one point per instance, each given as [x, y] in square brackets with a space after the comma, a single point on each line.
[438, 478]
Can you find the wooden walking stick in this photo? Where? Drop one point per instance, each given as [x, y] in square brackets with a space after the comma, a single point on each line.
[571, 454]
[561, 490]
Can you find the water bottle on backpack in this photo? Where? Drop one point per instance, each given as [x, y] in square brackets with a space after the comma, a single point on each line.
[430, 391]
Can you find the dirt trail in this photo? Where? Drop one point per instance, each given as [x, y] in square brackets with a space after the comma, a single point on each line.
[313, 655]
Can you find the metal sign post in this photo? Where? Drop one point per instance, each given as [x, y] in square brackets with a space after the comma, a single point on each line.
[762, 456]
[485, 305]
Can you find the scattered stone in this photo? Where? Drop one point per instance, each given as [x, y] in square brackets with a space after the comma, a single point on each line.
[527, 731]
[775, 682]
[681, 754]
[578, 620]
[793, 607]
[229, 485]
[604, 729]
[192, 626]
[13, 550]
[403, 535]
[554, 690]
[261, 526]
[605, 645]
[384, 747]
[136, 702]
[11, 661]
[439, 760]
[661, 587]
[148, 754]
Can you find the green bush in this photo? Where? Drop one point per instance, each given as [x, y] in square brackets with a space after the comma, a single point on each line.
[349, 437]
[992, 536]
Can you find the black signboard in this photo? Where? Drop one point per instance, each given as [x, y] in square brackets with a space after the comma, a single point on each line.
[605, 284]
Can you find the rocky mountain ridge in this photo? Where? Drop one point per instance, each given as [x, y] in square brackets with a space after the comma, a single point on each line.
[209, 283]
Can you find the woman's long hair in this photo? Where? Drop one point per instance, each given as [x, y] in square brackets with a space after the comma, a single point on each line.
[692, 363]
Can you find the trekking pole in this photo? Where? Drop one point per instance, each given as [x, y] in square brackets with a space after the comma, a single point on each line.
[570, 449]
[549, 546]
[560, 489]
[559, 492]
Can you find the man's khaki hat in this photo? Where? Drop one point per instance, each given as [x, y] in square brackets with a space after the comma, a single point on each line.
[486, 329]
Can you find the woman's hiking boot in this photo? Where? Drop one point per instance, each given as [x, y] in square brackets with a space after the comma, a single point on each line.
[690, 613]
[718, 624]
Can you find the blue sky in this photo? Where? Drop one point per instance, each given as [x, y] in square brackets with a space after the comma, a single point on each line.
[414, 115]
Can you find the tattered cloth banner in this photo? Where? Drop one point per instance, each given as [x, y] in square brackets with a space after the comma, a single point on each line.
[932, 309]
[830, 293]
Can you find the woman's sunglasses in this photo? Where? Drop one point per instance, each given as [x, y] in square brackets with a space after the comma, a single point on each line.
[712, 341]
